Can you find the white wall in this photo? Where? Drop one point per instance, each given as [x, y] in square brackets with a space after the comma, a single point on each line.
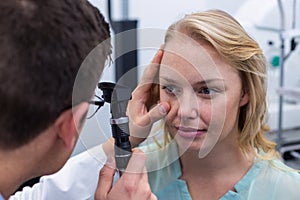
[158, 15]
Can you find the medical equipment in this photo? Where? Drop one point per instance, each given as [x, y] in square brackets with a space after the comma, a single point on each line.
[125, 45]
[285, 35]
[118, 97]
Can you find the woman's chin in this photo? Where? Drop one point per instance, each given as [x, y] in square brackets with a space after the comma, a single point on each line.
[190, 144]
[198, 146]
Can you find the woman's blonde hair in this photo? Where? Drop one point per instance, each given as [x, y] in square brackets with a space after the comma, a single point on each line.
[237, 48]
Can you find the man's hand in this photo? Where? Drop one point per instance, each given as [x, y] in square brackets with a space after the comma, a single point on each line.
[144, 109]
[133, 184]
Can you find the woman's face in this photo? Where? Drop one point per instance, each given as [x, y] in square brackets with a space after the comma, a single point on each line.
[205, 95]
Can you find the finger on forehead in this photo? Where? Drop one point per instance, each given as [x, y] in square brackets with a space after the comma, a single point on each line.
[151, 71]
[149, 77]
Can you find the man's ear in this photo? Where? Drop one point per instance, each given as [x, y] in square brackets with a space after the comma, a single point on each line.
[69, 124]
[244, 97]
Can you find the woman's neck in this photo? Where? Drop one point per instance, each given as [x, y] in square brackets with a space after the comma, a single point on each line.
[217, 173]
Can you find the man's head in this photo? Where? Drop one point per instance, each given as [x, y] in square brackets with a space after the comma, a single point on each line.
[42, 47]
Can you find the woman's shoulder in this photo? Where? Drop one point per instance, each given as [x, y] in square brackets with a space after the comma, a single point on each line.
[277, 179]
[281, 168]
[276, 169]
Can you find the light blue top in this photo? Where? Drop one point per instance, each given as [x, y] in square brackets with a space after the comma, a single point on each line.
[1, 197]
[265, 180]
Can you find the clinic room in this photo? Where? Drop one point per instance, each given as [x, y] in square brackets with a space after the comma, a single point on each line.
[150, 99]
[275, 26]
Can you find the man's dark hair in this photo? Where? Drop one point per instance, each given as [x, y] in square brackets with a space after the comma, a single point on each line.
[42, 46]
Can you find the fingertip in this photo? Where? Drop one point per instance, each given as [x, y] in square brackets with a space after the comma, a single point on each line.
[158, 112]
[164, 108]
[106, 176]
[158, 56]
[162, 46]
[160, 53]
[107, 169]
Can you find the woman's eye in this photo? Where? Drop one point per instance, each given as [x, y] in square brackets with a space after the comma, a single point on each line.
[207, 91]
[171, 89]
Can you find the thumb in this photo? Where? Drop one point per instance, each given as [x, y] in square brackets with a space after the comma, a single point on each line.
[158, 112]
[106, 177]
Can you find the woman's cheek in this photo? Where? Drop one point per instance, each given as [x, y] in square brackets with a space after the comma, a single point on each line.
[204, 111]
[218, 115]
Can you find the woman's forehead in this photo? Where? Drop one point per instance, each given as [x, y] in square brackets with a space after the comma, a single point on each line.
[198, 60]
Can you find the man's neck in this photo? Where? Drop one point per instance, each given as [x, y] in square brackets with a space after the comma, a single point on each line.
[13, 171]
[21, 164]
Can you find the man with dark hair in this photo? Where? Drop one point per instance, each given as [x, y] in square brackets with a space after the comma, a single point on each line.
[52, 54]
[45, 83]
[43, 44]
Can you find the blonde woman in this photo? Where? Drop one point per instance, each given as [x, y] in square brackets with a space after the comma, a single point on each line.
[212, 77]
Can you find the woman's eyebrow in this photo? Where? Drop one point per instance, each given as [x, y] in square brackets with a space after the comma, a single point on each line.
[210, 81]
[203, 82]
[168, 79]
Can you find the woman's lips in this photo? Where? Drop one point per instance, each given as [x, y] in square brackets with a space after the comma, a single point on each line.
[187, 132]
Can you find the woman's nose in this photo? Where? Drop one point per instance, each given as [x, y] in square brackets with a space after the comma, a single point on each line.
[188, 106]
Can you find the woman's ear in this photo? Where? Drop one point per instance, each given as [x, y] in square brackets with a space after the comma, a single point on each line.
[244, 97]
[69, 124]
